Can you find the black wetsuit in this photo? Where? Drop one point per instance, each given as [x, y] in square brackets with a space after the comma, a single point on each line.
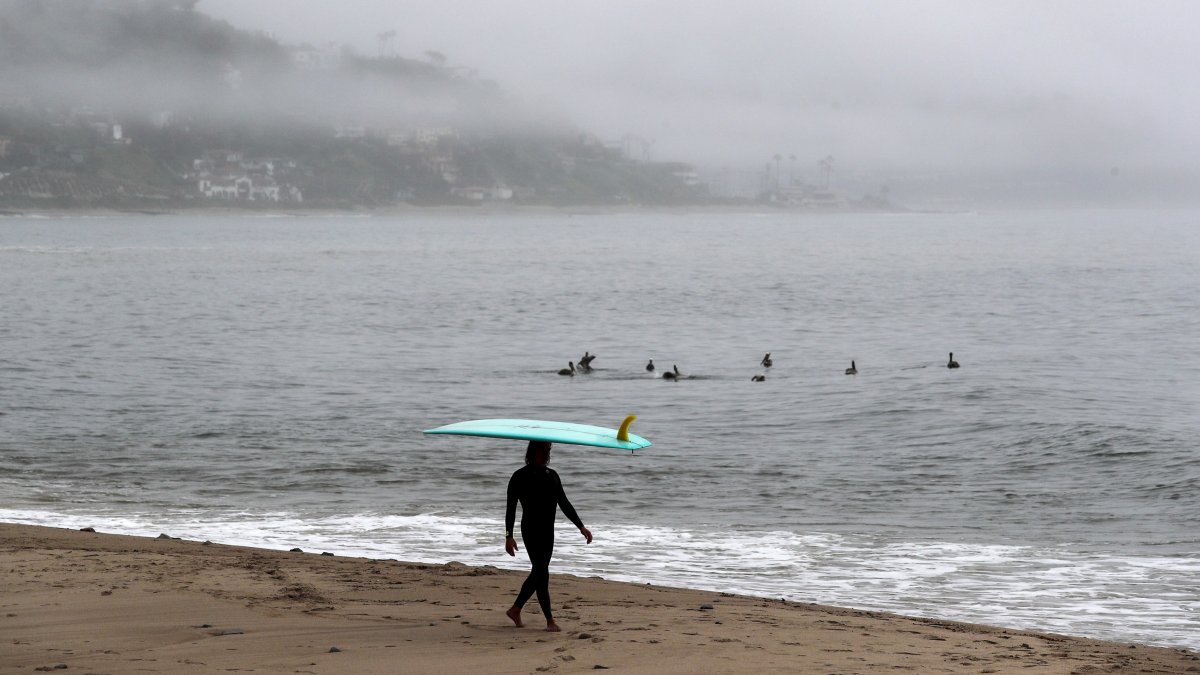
[540, 492]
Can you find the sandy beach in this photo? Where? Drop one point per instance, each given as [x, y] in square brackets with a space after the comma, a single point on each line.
[102, 603]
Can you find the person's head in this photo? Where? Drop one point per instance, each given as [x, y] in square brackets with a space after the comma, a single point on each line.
[538, 453]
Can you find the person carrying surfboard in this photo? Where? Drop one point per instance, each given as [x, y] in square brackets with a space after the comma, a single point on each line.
[540, 492]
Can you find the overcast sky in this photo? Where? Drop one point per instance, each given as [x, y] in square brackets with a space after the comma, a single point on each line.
[929, 84]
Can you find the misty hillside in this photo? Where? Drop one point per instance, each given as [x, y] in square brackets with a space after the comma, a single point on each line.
[106, 101]
[96, 35]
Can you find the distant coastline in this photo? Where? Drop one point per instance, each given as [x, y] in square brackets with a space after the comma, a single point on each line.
[406, 209]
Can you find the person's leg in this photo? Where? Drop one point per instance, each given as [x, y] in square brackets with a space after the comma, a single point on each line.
[541, 568]
[527, 589]
[539, 550]
[531, 582]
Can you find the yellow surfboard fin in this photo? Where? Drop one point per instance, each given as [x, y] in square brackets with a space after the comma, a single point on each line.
[623, 432]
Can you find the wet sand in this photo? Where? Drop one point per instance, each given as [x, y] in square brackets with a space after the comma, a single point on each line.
[102, 603]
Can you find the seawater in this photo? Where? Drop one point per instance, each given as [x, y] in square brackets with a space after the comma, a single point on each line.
[264, 381]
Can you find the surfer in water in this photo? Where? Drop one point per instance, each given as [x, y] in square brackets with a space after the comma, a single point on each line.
[540, 492]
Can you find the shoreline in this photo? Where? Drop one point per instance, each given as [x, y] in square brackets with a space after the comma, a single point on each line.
[485, 210]
[112, 603]
[451, 209]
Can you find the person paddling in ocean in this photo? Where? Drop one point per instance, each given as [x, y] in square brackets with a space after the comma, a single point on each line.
[540, 492]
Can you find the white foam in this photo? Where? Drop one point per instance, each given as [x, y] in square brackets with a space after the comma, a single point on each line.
[1143, 599]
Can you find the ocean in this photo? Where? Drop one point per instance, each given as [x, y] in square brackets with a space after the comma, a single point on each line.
[264, 381]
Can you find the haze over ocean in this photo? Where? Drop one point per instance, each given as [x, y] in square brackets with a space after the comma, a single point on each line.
[264, 381]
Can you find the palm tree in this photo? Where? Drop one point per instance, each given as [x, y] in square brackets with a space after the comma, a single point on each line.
[826, 163]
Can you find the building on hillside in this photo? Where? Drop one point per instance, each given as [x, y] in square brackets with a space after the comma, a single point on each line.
[480, 194]
[247, 188]
[428, 136]
[218, 188]
[471, 194]
[824, 199]
[229, 175]
[688, 176]
[326, 57]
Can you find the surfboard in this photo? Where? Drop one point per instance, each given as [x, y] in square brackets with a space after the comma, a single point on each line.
[553, 432]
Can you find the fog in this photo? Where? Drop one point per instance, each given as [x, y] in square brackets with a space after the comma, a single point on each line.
[1093, 97]
[154, 59]
[917, 86]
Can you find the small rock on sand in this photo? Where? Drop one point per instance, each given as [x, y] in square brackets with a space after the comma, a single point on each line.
[296, 550]
[706, 606]
[334, 650]
[87, 529]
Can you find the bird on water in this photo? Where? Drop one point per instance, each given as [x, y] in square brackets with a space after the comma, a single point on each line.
[953, 363]
[650, 366]
[568, 371]
[585, 362]
[672, 374]
[766, 362]
[852, 370]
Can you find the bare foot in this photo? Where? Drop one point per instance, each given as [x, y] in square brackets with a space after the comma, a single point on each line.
[514, 613]
[552, 627]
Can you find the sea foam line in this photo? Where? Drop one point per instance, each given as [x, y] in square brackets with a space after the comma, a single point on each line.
[1151, 600]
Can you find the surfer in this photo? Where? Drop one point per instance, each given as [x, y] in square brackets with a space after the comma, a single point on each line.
[540, 492]
[650, 366]
[953, 363]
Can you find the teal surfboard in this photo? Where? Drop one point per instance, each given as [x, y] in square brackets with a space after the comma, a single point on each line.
[553, 432]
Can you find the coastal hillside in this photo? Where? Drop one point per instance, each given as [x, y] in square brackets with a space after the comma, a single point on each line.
[152, 102]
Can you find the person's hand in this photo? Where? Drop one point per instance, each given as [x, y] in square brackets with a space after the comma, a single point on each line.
[510, 545]
[587, 534]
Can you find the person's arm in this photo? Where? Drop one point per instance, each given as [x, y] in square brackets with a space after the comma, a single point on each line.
[569, 511]
[510, 517]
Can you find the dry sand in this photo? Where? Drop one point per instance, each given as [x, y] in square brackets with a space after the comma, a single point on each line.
[101, 603]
